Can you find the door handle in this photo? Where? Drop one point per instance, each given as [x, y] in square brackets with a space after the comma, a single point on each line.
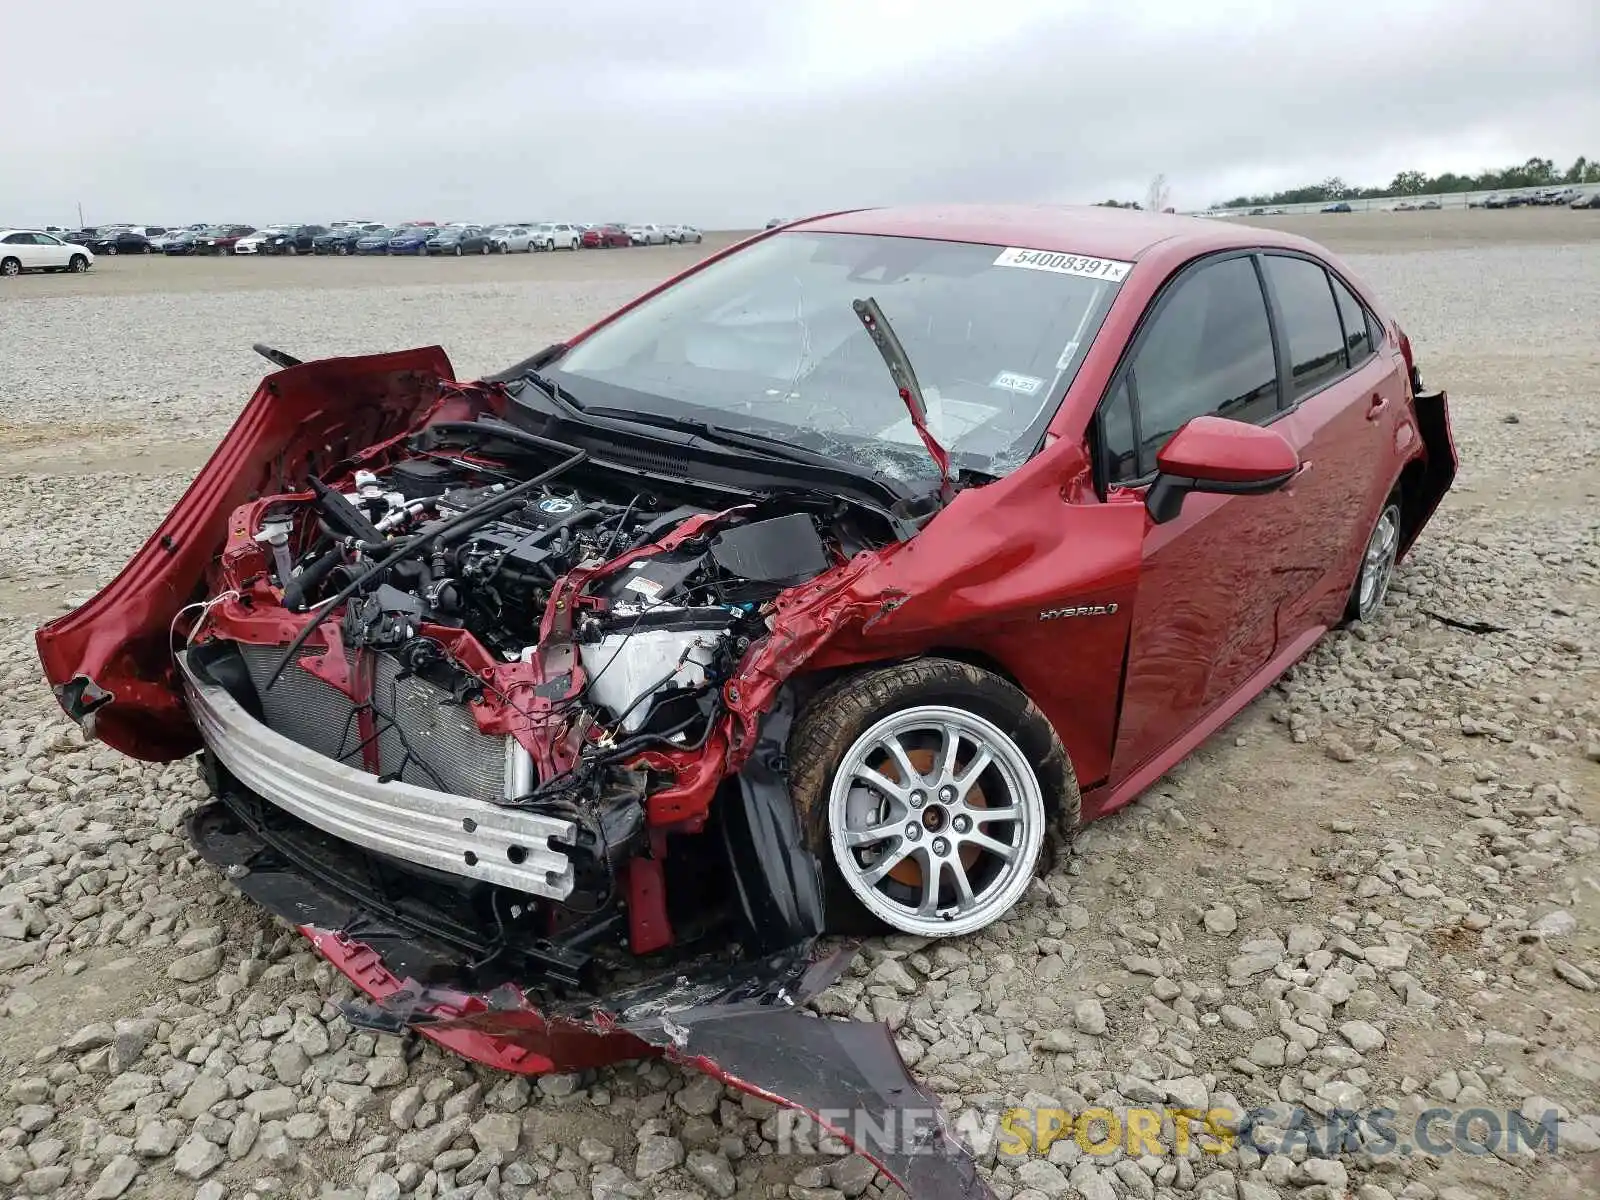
[1376, 406]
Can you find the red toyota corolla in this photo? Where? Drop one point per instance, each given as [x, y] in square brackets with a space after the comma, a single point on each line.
[821, 589]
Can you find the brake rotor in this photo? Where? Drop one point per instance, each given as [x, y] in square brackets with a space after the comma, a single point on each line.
[909, 870]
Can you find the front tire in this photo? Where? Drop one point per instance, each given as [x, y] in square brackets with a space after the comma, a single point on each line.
[78, 265]
[1377, 564]
[10, 267]
[928, 790]
[112, 249]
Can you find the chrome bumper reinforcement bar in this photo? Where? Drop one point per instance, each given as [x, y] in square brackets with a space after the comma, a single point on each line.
[419, 825]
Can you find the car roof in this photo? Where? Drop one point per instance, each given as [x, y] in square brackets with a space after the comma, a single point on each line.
[1117, 233]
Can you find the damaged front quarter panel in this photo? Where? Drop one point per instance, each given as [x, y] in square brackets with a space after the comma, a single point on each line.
[110, 659]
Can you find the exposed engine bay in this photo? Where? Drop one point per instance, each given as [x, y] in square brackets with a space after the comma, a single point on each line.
[533, 650]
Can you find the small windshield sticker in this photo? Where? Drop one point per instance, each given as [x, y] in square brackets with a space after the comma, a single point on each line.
[1064, 264]
[1010, 381]
[1068, 353]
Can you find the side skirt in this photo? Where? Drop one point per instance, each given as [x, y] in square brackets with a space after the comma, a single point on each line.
[1109, 797]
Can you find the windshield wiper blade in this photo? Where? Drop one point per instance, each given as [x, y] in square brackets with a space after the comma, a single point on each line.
[552, 389]
[773, 447]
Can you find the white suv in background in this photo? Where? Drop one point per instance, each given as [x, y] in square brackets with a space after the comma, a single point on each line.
[29, 250]
[557, 235]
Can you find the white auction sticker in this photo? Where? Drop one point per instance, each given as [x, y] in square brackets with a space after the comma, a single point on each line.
[1064, 264]
[646, 587]
[1013, 382]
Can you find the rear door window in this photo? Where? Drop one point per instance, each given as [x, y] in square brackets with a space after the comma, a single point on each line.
[1311, 322]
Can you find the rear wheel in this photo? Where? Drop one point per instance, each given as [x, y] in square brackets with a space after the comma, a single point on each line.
[928, 791]
[1377, 564]
[112, 248]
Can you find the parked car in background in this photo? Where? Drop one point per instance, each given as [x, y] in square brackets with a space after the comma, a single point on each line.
[604, 237]
[775, 222]
[647, 235]
[557, 235]
[1339, 207]
[1429, 206]
[410, 239]
[339, 241]
[683, 233]
[298, 239]
[375, 241]
[221, 239]
[122, 241]
[1592, 200]
[32, 250]
[252, 243]
[459, 240]
[184, 242]
[162, 241]
[511, 239]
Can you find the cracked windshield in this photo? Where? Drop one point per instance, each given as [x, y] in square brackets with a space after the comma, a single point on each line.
[765, 342]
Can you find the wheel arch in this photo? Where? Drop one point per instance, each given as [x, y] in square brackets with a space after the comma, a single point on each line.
[1427, 477]
[810, 683]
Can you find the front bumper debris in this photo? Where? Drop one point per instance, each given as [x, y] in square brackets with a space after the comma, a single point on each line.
[742, 1022]
[456, 834]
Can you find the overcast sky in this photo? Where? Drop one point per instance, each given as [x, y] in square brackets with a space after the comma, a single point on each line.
[725, 113]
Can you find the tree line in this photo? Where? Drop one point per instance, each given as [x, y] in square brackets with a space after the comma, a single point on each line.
[1536, 172]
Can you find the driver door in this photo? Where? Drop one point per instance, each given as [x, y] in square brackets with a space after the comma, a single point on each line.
[1210, 580]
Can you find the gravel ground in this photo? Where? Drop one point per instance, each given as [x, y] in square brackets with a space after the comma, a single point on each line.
[1378, 887]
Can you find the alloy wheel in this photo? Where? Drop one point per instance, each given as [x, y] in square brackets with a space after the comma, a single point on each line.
[1377, 563]
[936, 820]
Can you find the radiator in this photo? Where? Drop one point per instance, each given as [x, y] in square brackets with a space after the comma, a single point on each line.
[424, 737]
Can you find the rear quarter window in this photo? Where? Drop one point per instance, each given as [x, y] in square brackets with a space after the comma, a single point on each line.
[1358, 325]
